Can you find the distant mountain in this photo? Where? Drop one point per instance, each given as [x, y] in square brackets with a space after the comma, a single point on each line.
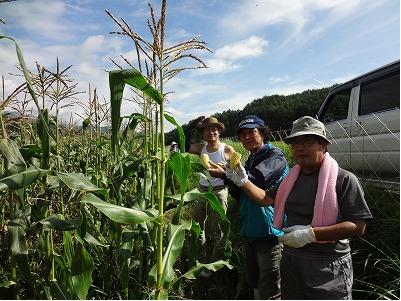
[278, 111]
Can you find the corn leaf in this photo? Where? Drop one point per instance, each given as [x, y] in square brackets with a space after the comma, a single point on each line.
[77, 181]
[135, 79]
[145, 236]
[175, 238]
[226, 225]
[214, 266]
[129, 168]
[30, 151]
[19, 245]
[117, 81]
[119, 214]
[193, 243]
[124, 256]
[116, 95]
[7, 283]
[56, 222]
[134, 119]
[197, 166]
[181, 136]
[89, 238]
[21, 61]
[14, 162]
[22, 179]
[18, 237]
[181, 165]
[195, 194]
[81, 271]
[44, 138]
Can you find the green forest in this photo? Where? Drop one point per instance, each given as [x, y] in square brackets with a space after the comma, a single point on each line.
[278, 111]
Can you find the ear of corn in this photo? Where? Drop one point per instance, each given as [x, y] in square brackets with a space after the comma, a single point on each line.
[205, 160]
[234, 160]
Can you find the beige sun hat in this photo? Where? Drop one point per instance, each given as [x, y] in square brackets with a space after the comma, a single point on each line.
[211, 121]
[307, 126]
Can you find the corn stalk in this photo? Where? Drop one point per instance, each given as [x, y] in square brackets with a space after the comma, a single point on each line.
[161, 59]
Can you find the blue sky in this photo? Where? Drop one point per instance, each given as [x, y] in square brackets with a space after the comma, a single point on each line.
[260, 47]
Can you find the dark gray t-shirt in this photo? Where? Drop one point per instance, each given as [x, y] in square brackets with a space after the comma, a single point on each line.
[351, 206]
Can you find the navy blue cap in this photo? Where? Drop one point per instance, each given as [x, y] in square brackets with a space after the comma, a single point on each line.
[250, 122]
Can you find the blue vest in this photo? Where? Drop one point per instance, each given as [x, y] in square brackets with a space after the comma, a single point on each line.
[266, 169]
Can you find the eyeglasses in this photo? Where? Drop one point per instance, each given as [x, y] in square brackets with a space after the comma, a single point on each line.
[246, 132]
[304, 141]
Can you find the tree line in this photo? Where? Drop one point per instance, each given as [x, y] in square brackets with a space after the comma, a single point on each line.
[278, 111]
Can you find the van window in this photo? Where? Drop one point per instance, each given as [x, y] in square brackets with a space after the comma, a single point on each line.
[380, 94]
[337, 106]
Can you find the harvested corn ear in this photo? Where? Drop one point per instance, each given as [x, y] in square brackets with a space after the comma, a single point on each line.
[205, 160]
[235, 160]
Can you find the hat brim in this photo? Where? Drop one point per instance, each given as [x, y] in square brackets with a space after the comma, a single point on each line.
[248, 126]
[219, 125]
[303, 133]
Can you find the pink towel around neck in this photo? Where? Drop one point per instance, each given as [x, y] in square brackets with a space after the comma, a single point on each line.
[326, 207]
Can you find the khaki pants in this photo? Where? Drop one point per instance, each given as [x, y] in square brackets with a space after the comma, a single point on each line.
[211, 244]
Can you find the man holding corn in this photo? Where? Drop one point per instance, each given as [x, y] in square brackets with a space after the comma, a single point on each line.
[212, 150]
[264, 170]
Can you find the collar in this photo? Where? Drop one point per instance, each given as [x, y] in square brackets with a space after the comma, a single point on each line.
[262, 151]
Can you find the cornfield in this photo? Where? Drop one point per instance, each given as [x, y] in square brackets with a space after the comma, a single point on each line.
[82, 211]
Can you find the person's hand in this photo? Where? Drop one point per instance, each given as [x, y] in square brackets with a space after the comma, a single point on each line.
[297, 236]
[195, 123]
[238, 175]
[216, 170]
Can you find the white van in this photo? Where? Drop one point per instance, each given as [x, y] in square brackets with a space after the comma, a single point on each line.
[362, 118]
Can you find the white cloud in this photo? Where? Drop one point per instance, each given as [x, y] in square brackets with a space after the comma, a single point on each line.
[89, 59]
[219, 66]
[186, 89]
[251, 47]
[276, 79]
[303, 19]
[226, 58]
[30, 16]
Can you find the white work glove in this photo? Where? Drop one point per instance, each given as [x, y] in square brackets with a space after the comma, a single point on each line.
[238, 175]
[297, 236]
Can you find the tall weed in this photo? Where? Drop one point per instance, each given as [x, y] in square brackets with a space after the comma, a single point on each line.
[376, 256]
